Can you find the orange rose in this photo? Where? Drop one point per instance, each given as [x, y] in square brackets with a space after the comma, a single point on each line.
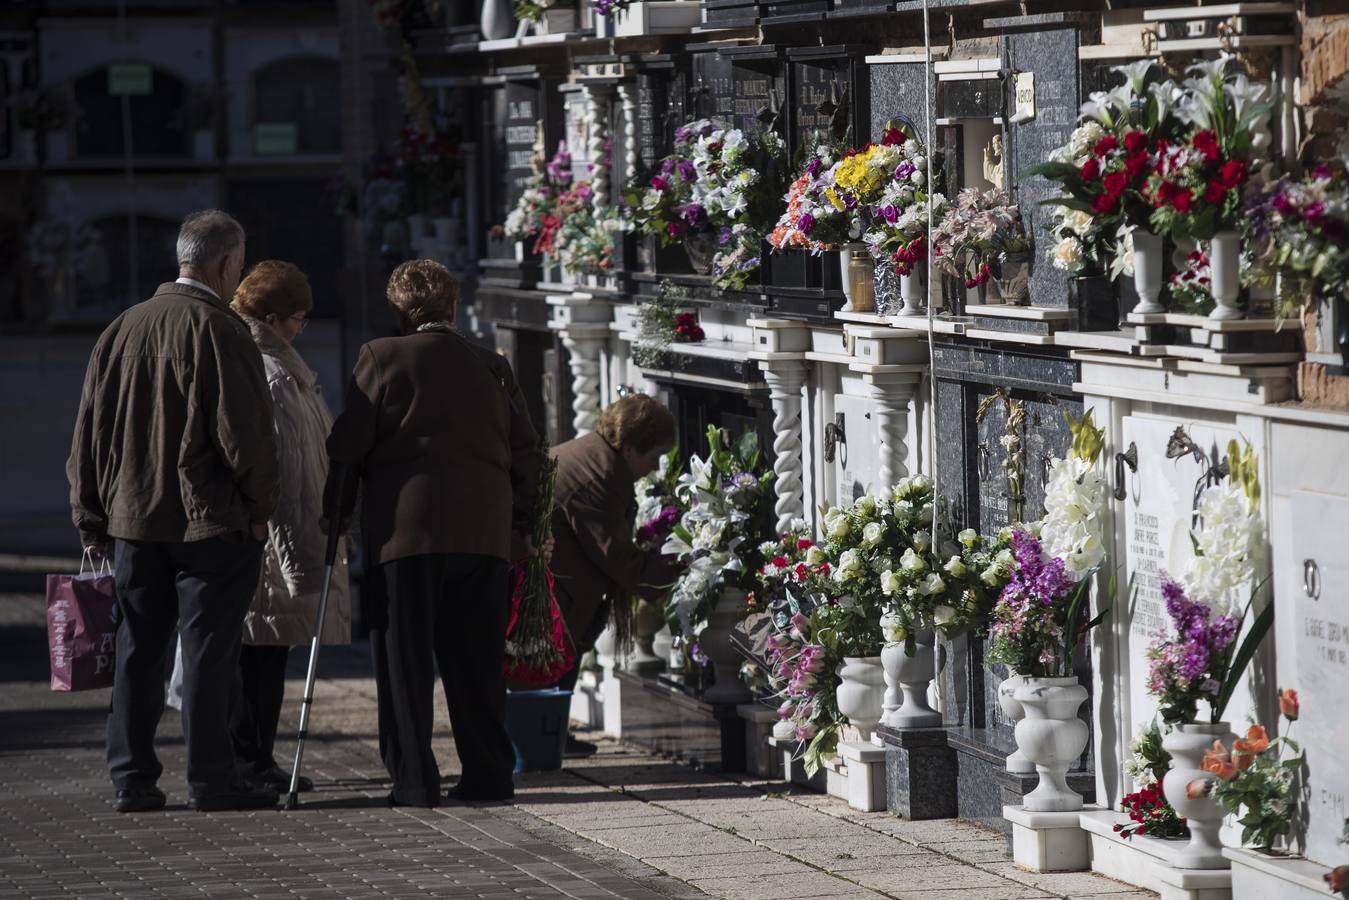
[1338, 879]
[1256, 741]
[1219, 762]
[1198, 789]
[1243, 761]
[1288, 704]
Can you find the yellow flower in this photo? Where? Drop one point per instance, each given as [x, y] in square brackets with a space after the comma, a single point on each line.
[832, 196]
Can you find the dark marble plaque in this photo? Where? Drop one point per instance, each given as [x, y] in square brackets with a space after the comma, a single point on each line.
[758, 88]
[731, 13]
[830, 93]
[787, 11]
[662, 105]
[1050, 54]
[710, 90]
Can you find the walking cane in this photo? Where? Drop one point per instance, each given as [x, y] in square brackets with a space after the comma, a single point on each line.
[341, 475]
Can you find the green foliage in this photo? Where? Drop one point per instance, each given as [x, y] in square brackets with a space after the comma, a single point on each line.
[1265, 796]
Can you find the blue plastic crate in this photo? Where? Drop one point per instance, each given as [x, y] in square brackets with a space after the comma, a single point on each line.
[537, 723]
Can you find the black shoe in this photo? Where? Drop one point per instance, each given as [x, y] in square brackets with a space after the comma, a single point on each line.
[278, 781]
[461, 794]
[144, 799]
[237, 797]
[578, 749]
[423, 803]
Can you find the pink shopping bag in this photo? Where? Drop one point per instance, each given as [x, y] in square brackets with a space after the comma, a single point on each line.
[82, 616]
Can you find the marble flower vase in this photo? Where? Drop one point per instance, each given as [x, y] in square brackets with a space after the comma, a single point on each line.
[906, 681]
[1225, 261]
[715, 641]
[1187, 744]
[1051, 736]
[1012, 708]
[1148, 260]
[860, 692]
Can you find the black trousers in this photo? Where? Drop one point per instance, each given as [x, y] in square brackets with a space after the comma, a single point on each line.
[257, 708]
[201, 590]
[447, 610]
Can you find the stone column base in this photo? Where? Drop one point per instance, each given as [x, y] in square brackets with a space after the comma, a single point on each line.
[1048, 841]
[865, 764]
[920, 773]
[760, 758]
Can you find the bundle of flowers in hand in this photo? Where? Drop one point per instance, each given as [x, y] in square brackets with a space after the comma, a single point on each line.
[717, 539]
[977, 233]
[536, 212]
[1296, 230]
[811, 220]
[898, 219]
[1150, 813]
[716, 195]
[658, 504]
[1256, 781]
[1197, 183]
[538, 650]
[1104, 168]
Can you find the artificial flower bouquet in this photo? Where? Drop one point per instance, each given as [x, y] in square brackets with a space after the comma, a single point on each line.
[1150, 813]
[717, 539]
[610, 7]
[1256, 781]
[811, 220]
[1296, 229]
[717, 189]
[1036, 622]
[1196, 183]
[1104, 168]
[1199, 658]
[978, 231]
[536, 214]
[658, 503]
[587, 239]
[898, 219]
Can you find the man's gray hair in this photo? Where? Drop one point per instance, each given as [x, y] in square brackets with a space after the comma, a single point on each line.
[206, 236]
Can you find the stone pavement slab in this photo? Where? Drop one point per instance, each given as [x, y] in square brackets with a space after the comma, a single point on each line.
[621, 824]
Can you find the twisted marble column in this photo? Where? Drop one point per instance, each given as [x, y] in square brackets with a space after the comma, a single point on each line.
[627, 97]
[598, 114]
[892, 424]
[785, 380]
[584, 361]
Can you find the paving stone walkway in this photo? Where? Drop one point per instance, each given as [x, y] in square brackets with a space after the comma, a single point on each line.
[622, 824]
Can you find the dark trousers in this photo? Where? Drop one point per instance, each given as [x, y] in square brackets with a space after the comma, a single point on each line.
[201, 590]
[257, 708]
[450, 610]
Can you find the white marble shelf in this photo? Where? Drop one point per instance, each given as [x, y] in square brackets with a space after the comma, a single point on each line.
[1008, 311]
[1185, 320]
[1283, 877]
[1217, 10]
[1147, 862]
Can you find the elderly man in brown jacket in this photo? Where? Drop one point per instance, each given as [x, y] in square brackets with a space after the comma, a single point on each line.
[174, 462]
[596, 565]
[449, 463]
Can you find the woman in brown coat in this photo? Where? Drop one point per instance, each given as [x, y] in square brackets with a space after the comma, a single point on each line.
[274, 301]
[595, 563]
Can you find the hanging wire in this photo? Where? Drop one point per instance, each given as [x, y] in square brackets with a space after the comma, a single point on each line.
[931, 333]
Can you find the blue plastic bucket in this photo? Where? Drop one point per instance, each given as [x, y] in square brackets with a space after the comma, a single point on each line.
[537, 724]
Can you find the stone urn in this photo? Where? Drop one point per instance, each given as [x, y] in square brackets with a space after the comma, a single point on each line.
[1225, 260]
[1187, 744]
[860, 692]
[911, 290]
[605, 646]
[1017, 763]
[1051, 736]
[911, 675]
[647, 621]
[662, 642]
[1148, 261]
[715, 641]
[497, 20]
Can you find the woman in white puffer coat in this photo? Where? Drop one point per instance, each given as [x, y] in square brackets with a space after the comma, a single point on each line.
[275, 300]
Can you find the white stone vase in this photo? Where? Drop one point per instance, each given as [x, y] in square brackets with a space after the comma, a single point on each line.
[497, 20]
[912, 675]
[845, 254]
[1017, 763]
[605, 645]
[1052, 736]
[784, 730]
[860, 692]
[1148, 261]
[1225, 259]
[911, 291]
[662, 642]
[715, 641]
[646, 623]
[1187, 744]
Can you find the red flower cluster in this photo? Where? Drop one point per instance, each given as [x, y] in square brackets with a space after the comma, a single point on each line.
[687, 329]
[893, 137]
[1116, 168]
[1190, 173]
[981, 278]
[1149, 813]
[905, 258]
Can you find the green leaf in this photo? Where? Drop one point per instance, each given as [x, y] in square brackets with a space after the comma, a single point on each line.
[748, 448]
[1054, 171]
[1249, 645]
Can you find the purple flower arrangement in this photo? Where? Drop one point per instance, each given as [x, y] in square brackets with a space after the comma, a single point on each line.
[1190, 663]
[1034, 627]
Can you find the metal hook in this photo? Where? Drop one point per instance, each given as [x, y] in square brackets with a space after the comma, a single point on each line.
[1311, 579]
[983, 465]
[1127, 458]
[834, 435]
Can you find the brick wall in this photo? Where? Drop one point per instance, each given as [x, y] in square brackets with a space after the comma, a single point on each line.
[1324, 93]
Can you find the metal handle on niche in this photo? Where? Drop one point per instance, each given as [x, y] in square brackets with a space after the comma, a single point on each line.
[1311, 579]
[984, 467]
[1127, 458]
[834, 435]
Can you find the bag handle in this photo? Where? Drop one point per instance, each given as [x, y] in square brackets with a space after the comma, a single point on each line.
[99, 567]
